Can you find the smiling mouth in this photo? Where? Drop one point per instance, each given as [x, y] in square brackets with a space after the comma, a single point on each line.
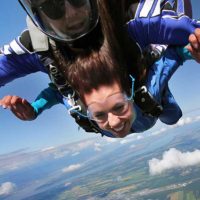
[120, 128]
[76, 25]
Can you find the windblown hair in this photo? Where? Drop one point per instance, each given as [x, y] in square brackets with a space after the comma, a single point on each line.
[113, 60]
[97, 69]
[114, 18]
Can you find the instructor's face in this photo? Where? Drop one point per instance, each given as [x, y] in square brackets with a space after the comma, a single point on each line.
[70, 19]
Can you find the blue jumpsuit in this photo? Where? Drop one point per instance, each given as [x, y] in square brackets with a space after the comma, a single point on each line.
[162, 22]
[157, 84]
[153, 23]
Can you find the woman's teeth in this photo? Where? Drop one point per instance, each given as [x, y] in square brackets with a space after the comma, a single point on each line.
[119, 129]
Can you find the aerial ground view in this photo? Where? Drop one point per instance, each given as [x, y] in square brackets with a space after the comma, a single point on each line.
[163, 164]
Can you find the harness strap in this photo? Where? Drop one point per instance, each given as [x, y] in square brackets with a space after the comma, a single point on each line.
[52, 59]
[85, 123]
[67, 91]
[143, 98]
[147, 103]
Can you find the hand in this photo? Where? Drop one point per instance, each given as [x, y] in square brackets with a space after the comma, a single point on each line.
[20, 107]
[194, 47]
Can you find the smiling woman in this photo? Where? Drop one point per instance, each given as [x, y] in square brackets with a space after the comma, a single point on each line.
[104, 74]
[110, 107]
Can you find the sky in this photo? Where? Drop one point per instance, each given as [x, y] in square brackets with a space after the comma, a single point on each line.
[55, 127]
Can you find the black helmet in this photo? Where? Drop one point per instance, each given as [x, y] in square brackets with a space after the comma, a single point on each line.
[63, 20]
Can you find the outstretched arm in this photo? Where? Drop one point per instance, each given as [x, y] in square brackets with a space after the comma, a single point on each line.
[194, 47]
[20, 107]
[192, 50]
[155, 24]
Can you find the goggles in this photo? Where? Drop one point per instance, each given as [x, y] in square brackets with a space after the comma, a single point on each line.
[55, 9]
[63, 20]
[118, 104]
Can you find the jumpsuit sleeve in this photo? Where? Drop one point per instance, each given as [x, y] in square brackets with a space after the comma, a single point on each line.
[16, 62]
[184, 53]
[46, 99]
[155, 25]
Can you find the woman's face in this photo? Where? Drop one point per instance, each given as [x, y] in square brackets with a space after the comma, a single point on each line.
[114, 111]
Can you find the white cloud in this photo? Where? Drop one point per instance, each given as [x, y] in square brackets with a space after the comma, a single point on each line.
[97, 147]
[159, 131]
[48, 149]
[60, 154]
[111, 140]
[71, 168]
[139, 137]
[184, 121]
[7, 188]
[76, 154]
[67, 184]
[132, 146]
[197, 118]
[124, 141]
[173, 159]
[83, 145]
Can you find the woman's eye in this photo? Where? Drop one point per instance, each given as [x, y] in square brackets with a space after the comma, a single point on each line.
[99, 115]
[118, 108]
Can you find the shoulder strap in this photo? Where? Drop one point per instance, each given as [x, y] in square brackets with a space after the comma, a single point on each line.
[32, 39]
[143, 98]
[38, 38]
[67, 91]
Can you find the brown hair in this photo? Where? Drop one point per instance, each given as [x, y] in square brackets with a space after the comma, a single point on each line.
[114, 60]
[94, 70]
[114, 18]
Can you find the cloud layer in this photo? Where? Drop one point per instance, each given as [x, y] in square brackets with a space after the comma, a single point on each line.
[71, 168]
[173, 159]
[6, 188]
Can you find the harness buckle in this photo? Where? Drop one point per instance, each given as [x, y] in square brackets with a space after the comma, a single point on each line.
[76, 108]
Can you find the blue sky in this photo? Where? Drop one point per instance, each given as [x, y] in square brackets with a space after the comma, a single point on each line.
[55, 127]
